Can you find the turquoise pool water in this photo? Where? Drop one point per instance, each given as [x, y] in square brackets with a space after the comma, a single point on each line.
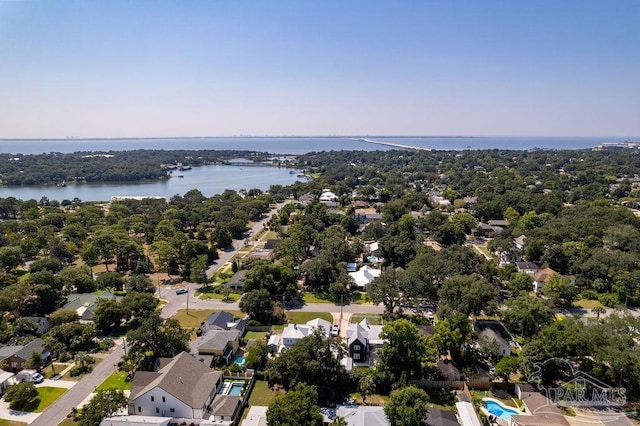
[499, 411]
[235, 389]
[240, 360]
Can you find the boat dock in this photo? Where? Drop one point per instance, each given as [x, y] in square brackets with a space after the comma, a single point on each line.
[393, 144]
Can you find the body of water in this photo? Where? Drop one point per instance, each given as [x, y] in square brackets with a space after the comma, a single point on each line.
[301, 145]
[209, 180]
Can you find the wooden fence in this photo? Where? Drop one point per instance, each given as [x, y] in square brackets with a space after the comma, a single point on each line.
[452, 384]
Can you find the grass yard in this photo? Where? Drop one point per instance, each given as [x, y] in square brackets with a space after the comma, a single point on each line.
[371, 399]
[68, 376]
[48, 371]
[255, 335]
[316, 298]
[483, 249]
[372, 319]
[65, 422]
[4, 422]
[210, 292]
[195, 317]
[303, 317]
[262, 395]
[46, 396]
[587, 304]
[117, 380]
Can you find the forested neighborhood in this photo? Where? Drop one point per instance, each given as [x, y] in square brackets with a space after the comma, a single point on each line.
[397, 287]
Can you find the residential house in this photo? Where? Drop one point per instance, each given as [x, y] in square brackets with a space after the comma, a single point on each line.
[363, 338]
[360, 204]
[448, 370]
[467, 414]
[294, 332]
[502, 223]
[86, 303]
[224, 343]
[223, 321]
[541, 277]
[42, 323]
[367, 218]
[437, 417]
[136, 421]
[14, 358]
[5, 381]
[225, 408]
[329, 198]
[306, 199]
[181, 387]
[364, 276]
[488, 231]
[541, 412]
[529, 268]
[357, 415]
[270, 244]
[520, 242]
[236, 282]
[496, 332]
[352, 267]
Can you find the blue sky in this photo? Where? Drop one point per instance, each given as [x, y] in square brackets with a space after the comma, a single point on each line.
[218, 68]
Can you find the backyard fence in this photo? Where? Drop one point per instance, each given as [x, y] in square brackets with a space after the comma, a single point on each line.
[452, 384]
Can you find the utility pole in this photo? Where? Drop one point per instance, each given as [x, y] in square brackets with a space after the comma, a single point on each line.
[187, 300]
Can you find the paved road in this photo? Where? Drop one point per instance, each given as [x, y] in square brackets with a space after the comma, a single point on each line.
[58, 411]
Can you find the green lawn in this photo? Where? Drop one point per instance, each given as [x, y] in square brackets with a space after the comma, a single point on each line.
[316, 298]
[48, 371]
[262, 395]
[65, 422]
[302, 317]
[484, 250]
[46, 396]
[210, 293]
[195, 317]
[117, 380]
[255, 335]
[587, 304]
[4, 422]
[68, 376]
[372, 319]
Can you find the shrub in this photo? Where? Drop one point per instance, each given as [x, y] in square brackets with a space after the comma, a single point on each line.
[105, 344]
[254, 323]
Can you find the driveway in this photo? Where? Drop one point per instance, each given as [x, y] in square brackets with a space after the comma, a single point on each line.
[17, 416]
[58, 411]
[67, 384]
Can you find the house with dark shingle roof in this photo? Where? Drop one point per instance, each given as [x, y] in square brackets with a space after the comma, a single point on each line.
[14, 358]
[225, 407]
[182, 387]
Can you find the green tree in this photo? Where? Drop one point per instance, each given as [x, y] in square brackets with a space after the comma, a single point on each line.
[297, 407]
[407, 406]
[560, 291]
[387, 289]
[21, 395]
[157, 338]
[108, 315]
[10, 257]
[258, 305]
[506, 366]
[451, 333]
[467, 294]
[366, 386]
[105, 403]
[598, 310]
[63, 316]
[405, 352]
[312, 360]
[527, 315]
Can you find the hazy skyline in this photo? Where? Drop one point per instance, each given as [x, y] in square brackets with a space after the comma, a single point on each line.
[214, 68]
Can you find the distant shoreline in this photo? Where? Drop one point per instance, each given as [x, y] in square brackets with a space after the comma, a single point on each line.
[266, 137]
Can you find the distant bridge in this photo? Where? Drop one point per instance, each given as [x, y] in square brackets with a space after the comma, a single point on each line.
[392, 144]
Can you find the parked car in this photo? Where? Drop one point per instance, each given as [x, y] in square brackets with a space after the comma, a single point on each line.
[182, 291]
[335, 330]
[29, 376]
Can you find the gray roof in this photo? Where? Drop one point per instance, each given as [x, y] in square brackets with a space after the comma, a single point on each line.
[219, 320]
[185, 378]
[7, 351]
[216, 340]
[36, 345]
[363, 415]
[225, 405]
[437, 417]
[359, 334]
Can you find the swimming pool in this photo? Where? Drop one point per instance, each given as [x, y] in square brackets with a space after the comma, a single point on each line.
[235, 389]
[240, 360]
[499, 410]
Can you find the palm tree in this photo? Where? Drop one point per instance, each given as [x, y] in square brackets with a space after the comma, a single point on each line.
[366, 386]
[598, 310]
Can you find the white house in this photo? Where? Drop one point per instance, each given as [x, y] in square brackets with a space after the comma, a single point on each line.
[294, 332]
[182, 387]
[364, 276]
[328, 196]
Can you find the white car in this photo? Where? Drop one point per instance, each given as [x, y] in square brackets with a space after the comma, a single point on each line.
[335, 329]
